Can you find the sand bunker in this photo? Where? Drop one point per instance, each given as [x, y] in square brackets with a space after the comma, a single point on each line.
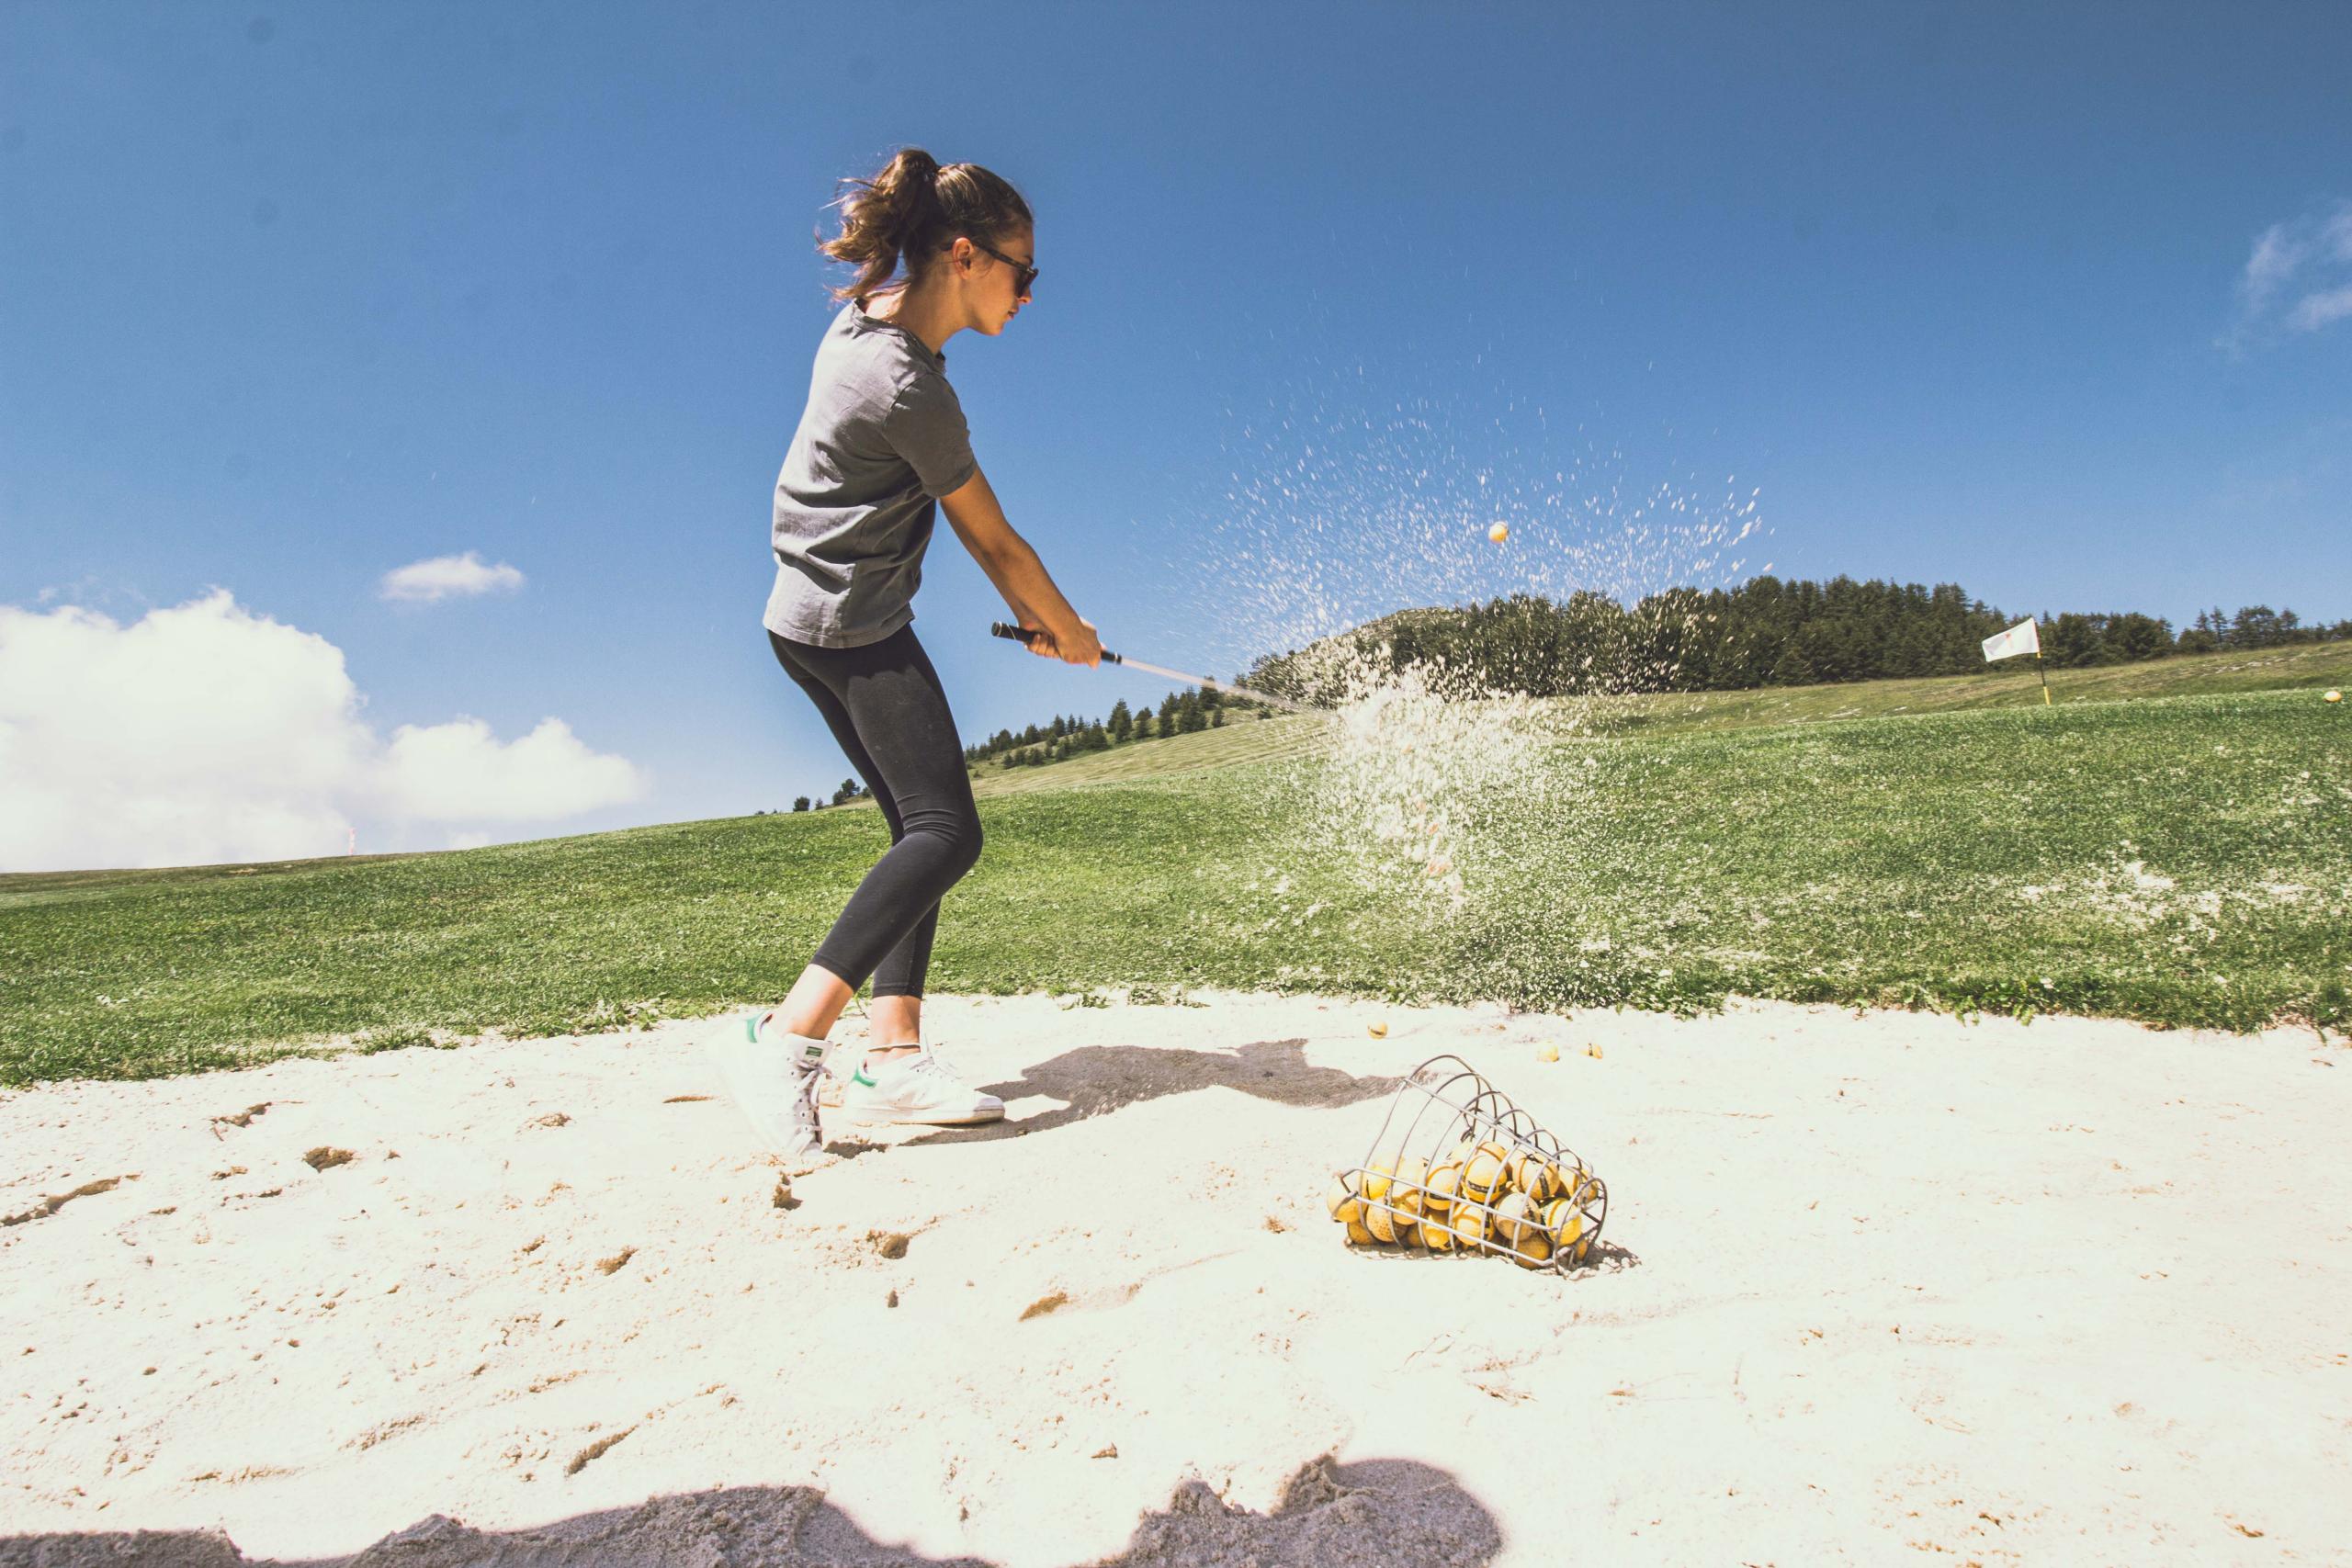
[1880, 1285]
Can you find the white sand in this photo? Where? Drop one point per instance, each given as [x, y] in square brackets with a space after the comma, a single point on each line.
[2076, 1291]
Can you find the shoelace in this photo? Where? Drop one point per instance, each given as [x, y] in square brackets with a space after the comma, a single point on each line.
[929, 1064]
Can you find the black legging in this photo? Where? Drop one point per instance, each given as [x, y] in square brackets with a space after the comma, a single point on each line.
[884, 704]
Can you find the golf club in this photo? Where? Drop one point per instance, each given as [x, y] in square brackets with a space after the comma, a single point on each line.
[1023, 634]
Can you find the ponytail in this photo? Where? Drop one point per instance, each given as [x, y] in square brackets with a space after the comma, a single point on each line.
[911, 209]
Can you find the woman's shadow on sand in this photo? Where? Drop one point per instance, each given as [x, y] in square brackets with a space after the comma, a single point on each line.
[1381, 1513]
[1094, 1079]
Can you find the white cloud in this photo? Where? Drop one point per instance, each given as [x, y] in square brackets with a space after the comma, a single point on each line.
[2314, 311]
[449, 577]
[2275, 257]
[459, 772]
[206, 733]
[2298, 277]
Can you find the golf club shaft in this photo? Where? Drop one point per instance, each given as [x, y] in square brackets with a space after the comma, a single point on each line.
[1023, 634]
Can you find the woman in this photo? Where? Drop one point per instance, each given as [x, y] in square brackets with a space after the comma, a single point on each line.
[881, 447]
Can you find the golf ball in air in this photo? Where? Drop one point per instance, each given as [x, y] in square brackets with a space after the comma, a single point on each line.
[1499, 532]
[2335, 696]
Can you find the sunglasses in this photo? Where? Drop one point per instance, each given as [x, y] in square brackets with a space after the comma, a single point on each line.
[1021, 285]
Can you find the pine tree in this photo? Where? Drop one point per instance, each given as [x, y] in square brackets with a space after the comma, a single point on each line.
[2256, 625]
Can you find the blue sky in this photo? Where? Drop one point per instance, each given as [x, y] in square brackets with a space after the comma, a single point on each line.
[294, 296]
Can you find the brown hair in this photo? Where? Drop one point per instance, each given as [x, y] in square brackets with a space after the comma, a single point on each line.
[913, 207]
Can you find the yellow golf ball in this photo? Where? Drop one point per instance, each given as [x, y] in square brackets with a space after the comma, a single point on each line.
[2335, 696]
[1500, 532]
[1446, 1186]
[1482, 1173]
[1562, 1223]
[1409, 1189]
[1513, 1219]
[1529, 1172]
[1387, 1225]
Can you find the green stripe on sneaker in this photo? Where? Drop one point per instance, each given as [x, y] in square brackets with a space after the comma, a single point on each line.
[859, 1077]
[752, 1027]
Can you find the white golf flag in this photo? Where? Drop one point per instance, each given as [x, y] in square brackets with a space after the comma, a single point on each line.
[2023, 638]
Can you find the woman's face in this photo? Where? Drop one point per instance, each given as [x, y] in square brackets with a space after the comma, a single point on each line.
[991, 286]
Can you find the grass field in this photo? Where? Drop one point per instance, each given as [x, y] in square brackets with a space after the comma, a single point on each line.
[2312, 666]
[2177, 857]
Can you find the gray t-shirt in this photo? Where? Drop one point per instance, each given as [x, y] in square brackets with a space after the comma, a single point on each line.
[882, 439]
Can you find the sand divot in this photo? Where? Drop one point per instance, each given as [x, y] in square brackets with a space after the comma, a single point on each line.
[51, 1204]
[594, 1450]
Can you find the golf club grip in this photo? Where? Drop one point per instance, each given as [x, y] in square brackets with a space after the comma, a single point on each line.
[1025, 636]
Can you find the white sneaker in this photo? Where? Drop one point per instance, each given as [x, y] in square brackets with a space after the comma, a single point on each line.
[919, 1088]
[773, 1074]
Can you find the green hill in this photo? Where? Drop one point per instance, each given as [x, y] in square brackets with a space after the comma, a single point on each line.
[2315, 666]
[2178, 858]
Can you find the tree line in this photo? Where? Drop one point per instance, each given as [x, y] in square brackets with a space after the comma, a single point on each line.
[1180, 712]
[1766, 632]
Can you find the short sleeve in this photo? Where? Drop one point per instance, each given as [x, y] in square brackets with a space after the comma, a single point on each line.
[926, 428]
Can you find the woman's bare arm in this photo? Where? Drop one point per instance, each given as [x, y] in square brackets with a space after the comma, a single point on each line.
[979, 521]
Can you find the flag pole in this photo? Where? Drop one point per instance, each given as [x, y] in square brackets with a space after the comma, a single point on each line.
[2041, 670]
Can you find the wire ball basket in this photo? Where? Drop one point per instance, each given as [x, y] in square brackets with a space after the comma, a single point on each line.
[1458, 1170]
